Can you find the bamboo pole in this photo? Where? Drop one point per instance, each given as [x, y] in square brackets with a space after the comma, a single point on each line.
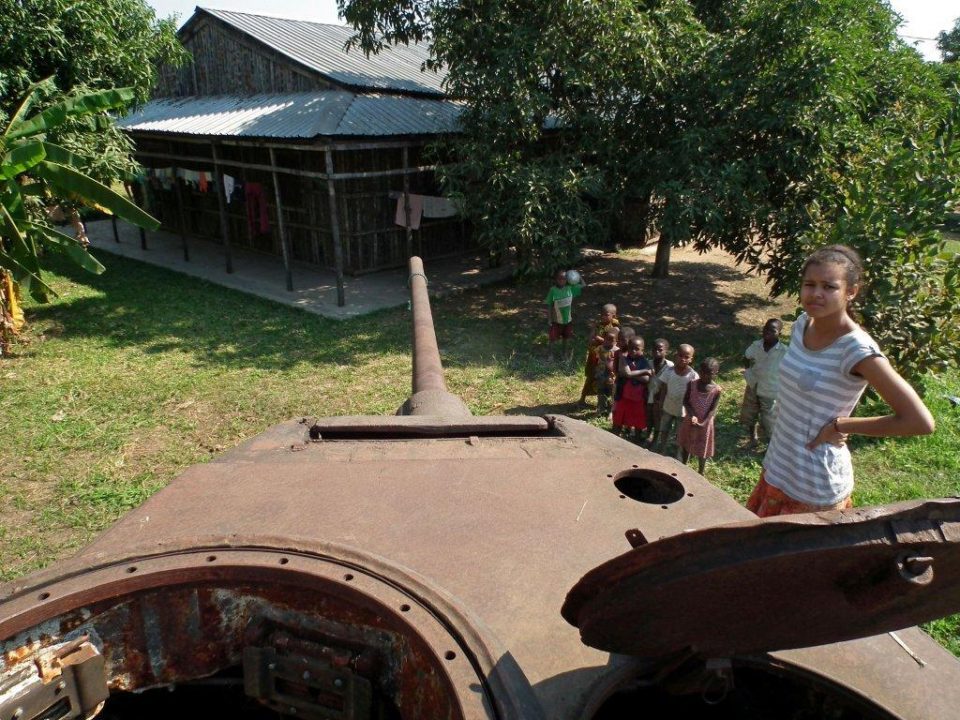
[178, 193]
[335, 228]
[222, 202]
[406, 202]
[290, 171]
[283, 235]
[143, 233]
[299, 147]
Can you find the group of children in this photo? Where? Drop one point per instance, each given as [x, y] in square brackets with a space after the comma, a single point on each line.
[653, 398]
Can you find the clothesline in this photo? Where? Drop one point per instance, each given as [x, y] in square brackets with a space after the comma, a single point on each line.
[250, 193]
[422, 206]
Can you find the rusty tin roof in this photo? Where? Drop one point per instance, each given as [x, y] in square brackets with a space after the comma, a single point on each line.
[321, 47]
[327, 113]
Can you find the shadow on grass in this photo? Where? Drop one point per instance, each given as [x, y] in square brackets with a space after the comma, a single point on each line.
[699, 304]
[160, 311]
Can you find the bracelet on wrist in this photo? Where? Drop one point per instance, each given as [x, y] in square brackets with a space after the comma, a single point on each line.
[836, 426]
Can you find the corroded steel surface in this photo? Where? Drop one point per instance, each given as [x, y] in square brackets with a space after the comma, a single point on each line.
[427, 368]
[497, 528]
[184, 614]
[835, 576]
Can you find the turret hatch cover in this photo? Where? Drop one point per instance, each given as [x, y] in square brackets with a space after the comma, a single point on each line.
[775, 583]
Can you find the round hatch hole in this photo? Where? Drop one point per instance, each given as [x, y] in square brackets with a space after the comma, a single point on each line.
[650, 486]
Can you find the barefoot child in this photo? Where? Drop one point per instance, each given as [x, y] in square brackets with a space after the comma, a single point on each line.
[702, 397]
[605, 373]
[671, 393]
[631, 409]
[762, 376]
[559, 302]
[661, 364]
[607, 319]
[627, 334]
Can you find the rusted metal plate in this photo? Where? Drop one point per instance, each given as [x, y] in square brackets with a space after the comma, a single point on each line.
[64, 680]
[491, 533]
[775, 584]
[500, 528]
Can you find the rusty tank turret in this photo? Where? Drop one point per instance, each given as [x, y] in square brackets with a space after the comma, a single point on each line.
[434, 564]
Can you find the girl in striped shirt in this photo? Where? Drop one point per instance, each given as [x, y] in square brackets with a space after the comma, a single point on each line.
[828, 365]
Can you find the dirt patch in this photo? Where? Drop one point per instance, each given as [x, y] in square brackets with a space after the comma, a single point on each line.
[708, 300]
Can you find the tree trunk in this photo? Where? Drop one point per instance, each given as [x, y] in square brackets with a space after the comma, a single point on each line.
[661, 266]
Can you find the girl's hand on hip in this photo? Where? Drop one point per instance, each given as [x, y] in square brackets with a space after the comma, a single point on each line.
[828, 434]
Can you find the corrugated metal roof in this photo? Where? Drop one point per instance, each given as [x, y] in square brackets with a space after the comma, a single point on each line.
[320, 47]
[328, 113]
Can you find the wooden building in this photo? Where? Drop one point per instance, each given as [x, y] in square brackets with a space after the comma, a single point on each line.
[322, 148]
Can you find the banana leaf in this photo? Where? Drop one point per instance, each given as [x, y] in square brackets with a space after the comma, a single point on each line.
[25, 105]
[61, 155]
[87, 104]
[69, 181]
[69, 246]
[22, 158]
[21, 258]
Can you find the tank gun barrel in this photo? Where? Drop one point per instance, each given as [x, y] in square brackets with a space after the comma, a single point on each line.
[427, 368]
[429, 391]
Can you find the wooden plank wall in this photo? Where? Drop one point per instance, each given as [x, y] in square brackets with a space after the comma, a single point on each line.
[225, 62]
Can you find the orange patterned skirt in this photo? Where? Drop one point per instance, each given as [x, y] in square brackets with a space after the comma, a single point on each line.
[767, 501]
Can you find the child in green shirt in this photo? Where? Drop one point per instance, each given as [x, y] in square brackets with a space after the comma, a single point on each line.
[559, 302]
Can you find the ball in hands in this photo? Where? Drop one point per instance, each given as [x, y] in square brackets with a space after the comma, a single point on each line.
[573, 277]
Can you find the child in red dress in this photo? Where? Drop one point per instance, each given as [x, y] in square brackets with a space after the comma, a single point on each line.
[627, 333]
[631, 409]
[702, 397]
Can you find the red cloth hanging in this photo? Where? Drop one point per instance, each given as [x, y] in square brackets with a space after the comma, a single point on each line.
[256, 199]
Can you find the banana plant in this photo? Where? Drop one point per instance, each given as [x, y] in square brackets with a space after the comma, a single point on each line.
[34, 171]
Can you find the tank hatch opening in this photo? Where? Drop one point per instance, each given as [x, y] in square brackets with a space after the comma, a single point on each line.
[236, 632]
[402, 427]
[280, 676]
[738, 692]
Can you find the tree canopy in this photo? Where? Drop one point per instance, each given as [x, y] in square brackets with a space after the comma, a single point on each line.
[763, 127]
[948, 42]
[84, 45]
[60, 61]
[97, 44]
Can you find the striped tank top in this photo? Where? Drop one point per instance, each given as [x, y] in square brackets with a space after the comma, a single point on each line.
[815, 387]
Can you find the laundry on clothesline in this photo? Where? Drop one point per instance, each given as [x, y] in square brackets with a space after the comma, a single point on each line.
[428, 206]
[438, 207]
[257, 219]
[416, 211]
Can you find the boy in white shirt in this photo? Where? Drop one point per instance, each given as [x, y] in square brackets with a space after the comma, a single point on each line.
[673, 387]
[763, 378]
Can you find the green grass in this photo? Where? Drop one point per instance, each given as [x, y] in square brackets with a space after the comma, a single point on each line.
[130, 377]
